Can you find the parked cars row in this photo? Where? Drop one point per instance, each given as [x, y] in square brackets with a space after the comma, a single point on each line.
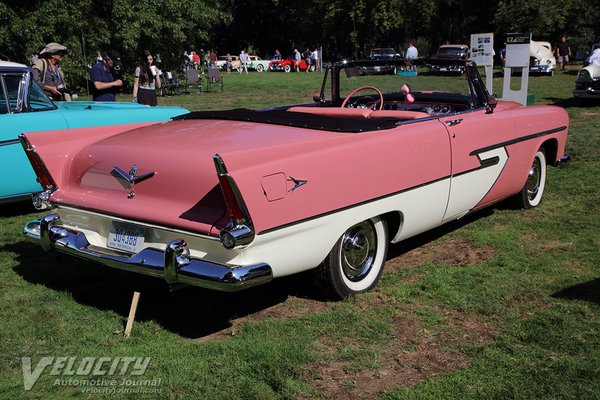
[255, 64]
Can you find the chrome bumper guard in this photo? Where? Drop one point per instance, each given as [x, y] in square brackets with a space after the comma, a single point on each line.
[589, 93]
[174, 264]
[564, 161]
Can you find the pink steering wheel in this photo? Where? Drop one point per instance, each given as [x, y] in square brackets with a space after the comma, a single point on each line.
[360, 89]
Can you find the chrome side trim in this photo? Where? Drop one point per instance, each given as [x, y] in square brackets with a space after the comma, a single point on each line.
[174, 264]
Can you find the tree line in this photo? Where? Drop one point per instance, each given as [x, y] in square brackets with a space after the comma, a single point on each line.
[343, 28]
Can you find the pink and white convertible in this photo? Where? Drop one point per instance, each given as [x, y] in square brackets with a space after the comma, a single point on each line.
[232, 199]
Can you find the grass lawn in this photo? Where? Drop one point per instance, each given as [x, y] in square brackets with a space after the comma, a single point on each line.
[501, 304]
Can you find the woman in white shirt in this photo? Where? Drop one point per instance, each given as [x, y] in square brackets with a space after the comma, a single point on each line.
[146, 81]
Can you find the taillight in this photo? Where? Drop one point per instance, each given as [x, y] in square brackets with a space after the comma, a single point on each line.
[43, 176]
[233, 208]
[239, 231]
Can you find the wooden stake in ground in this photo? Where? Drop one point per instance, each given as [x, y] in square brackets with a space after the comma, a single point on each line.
[132, 310]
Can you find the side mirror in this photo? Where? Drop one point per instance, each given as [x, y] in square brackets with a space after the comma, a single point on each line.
[317, 97]
[491, 104]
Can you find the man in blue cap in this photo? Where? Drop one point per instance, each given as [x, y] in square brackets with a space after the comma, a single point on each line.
[105, 76]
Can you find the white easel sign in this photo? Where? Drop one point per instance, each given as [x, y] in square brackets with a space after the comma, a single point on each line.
[482, 52]
[517, 57]
[482, 49]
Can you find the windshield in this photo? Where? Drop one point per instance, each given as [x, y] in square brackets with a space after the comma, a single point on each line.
[385, 79]
[38, 99]
[395, 85]
[383, 52]
[14, 93]
[451, 51]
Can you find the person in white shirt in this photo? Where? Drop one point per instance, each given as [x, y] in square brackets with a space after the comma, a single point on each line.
[411, 55]
[243, 62]
[297, 58]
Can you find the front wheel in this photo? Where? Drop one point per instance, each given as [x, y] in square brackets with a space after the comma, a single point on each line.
[287, 68]
[531, 194]
[260, 68]
[355, 263]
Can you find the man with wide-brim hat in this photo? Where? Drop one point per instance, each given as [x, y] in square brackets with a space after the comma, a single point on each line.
[48, 72]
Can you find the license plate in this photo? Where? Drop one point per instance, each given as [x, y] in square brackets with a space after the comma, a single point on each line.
[126, 237]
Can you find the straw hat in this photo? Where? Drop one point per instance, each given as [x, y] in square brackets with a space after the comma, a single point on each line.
[53, 48]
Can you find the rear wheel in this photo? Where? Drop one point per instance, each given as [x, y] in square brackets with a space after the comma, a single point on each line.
[355, 263]
[260, 68]
[287, 68]
[531, 194]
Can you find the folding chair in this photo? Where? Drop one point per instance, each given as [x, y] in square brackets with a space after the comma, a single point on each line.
[192, 78]
[170, 85]
[214, 78]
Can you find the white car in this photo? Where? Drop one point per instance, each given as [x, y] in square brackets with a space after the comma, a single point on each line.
[587, 84]
[258, 64]
[541, 58]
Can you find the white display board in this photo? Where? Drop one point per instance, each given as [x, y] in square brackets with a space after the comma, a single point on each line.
[482, 48]
[482, 52]
[517, 50]
[517, 56]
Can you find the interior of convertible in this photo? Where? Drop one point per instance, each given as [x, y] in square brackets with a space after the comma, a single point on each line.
[358, 93]
[354, 100]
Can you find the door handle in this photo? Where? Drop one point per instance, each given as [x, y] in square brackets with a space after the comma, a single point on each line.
[453, 122]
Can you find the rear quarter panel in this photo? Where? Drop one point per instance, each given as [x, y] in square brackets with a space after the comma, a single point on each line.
[343, 170]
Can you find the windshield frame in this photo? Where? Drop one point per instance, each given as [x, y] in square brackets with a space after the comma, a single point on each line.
[478, 92]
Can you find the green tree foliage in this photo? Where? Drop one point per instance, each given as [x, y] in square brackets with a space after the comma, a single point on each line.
[577, 19]
[344, 28]
[87, 27]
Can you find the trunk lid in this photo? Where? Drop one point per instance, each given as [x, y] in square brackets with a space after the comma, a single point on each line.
[178, 185]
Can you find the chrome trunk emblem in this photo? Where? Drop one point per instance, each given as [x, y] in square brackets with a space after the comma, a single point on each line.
[297, 183]
[128, 180]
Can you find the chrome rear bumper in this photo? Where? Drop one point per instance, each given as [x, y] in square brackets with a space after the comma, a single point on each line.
[174, 264]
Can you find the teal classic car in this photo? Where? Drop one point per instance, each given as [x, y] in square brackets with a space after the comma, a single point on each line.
[25, 108]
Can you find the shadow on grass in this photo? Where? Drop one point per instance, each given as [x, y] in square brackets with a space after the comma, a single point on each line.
[588, 291]
[18, 208]
[190, 312]
[572, 102]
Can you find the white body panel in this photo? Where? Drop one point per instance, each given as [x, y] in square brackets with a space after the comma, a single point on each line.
[284, 249]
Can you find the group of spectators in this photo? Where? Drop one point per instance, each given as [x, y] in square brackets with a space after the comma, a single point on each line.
[311, 60]
[200, 60]
[105, 75]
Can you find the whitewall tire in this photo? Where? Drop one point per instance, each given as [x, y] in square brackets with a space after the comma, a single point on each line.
[355, 263]
[531, 194]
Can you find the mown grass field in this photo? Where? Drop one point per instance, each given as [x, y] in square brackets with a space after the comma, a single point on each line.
[502, 304]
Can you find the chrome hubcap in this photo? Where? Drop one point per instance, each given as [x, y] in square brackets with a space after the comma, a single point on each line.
[359, 245]
[533, 180]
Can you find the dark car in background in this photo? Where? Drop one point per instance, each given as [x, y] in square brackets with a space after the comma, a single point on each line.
[449, 59]
[383, 54]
